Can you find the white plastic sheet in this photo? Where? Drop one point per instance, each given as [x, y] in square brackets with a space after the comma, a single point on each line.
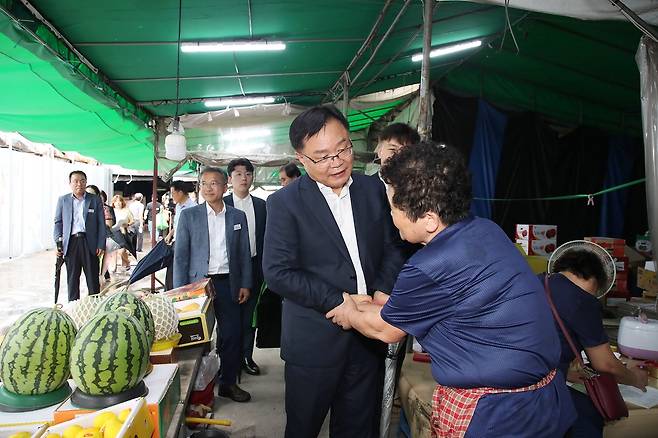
[647, 62]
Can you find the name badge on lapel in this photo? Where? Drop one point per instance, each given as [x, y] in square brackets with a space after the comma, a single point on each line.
[237, 227]
[91, 210]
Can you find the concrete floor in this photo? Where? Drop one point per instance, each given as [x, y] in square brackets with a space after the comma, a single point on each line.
[28, 282]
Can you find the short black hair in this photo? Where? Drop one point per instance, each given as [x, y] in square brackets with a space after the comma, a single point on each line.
[77, 172]
[211, 169]
[401, 132]
[311, 121]
[582, 263]
[430, 177]
[291, 170]
[239, 162]
[103, 196]
[180, 186]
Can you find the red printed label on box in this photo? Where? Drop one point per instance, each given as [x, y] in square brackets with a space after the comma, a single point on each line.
[538, 232]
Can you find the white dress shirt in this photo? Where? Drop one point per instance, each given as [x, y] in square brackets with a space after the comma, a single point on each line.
[247, 205]
[78, 225]
[218, 263]
[341, 208]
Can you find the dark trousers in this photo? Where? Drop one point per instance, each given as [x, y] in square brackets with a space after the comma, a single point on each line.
[589, 423]
[248, 309]
[229, 330]
[352, 391]
[79, 257]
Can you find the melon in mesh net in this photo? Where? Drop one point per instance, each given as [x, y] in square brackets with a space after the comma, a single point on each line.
[164, 316]
[84, 309]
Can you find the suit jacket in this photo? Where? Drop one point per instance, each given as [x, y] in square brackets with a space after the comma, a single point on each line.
[192, 248]
[408, 249]
[94, 221]
[260, 212]
[306, 261]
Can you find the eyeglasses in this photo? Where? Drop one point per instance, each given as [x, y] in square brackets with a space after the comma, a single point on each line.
[211, 184]
[343, 154]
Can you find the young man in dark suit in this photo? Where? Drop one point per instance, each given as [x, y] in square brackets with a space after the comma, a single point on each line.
[328, 232]
[80, 228]
[212, 240]
[241, 177]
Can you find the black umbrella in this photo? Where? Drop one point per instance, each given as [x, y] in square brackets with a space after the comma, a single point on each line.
[123, 240]
[158, 258]
[58, 269]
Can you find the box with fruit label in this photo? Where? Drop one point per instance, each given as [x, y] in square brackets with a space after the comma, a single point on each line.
[129, 419]
[544, 247]
[536, 232]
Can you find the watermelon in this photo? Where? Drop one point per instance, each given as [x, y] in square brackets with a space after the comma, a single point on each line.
[110, 354]
[34, 356]
[137, 307]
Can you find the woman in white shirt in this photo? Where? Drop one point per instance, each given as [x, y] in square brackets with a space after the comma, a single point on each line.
[124, 220]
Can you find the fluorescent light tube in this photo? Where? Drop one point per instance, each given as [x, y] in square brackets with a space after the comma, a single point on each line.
[448, 50]
[232, 46]
[237, 101]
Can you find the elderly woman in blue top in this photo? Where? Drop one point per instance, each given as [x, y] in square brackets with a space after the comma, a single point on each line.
[578, 278]
[472, 302]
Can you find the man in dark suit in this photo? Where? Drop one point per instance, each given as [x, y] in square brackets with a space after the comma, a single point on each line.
[328, 232]
[241, 176]
[80, 228]
[212, 240]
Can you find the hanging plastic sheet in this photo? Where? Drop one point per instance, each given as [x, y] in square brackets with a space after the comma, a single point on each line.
[647, 62]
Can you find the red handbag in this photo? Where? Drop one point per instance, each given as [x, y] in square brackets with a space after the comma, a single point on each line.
[602, 388]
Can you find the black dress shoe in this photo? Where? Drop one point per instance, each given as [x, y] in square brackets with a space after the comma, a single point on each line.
[250, 367]
[234, 392]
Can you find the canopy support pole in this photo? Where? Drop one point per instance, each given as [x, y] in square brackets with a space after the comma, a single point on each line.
[154, 199]
[424, 122]
[346, 95]
[635, 19]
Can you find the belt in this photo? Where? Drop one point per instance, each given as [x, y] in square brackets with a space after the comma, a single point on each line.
[217, 276]
[80, 234]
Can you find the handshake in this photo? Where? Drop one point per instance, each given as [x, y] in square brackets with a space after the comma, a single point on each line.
[353, 304]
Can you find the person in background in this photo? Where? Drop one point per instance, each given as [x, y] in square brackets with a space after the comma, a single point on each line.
[137, 209]
[241, 176]
[326, 233]
[148, 215]
[473, 304]
[289, 173]
[181, 199]
[212, 241]
[393, 138]
[80, 227]
[577, 277]
[125, 220]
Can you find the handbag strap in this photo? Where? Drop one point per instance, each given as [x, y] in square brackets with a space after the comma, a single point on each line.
[576, 353]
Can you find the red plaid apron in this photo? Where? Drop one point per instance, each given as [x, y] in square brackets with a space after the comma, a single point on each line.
[453, 408]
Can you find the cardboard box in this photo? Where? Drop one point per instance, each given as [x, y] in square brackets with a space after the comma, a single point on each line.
[201, 288]
[616, 247]
[646, 280]
[536, 232]
[139, 423]
[544, 247]
[195, 326]
[164, 394]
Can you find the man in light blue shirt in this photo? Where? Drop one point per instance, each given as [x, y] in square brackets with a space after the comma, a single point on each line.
[80, 227]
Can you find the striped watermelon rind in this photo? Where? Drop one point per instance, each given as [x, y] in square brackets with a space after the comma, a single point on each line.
[137, 307]
[34, 355]
[110, 354]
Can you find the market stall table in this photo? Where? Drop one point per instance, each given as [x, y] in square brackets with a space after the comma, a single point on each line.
[417, 384]
[189, 360]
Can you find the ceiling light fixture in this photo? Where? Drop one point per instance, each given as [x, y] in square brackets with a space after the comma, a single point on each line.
[448, 50]
[237, 101]
[232, 46]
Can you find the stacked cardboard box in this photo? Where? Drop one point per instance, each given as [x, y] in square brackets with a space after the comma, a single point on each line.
[646, 280]
[537, 240]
